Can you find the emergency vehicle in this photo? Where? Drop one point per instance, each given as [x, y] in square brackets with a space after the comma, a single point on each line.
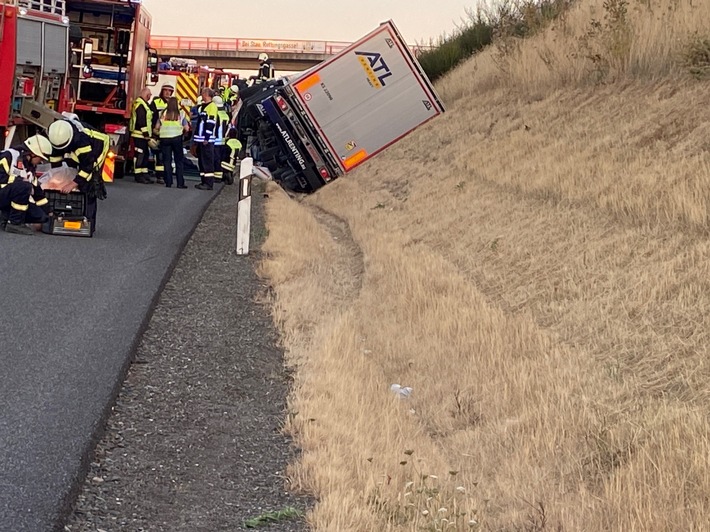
[188, 78]
[33, 63]
[87, 57]
[110, 61]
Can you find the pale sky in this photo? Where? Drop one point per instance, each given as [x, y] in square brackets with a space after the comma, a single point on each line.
[334, 20]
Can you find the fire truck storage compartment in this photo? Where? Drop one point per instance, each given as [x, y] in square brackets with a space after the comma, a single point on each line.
[108, 28]
[29, 42]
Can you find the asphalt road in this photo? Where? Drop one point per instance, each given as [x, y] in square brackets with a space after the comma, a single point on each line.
[72, 310]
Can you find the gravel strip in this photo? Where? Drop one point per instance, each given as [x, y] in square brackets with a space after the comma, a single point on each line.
[194, 440]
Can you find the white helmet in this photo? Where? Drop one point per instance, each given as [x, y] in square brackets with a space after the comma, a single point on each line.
[235, 88]
[167, 86]
[39, 145]
[263, 57]
[61, 134]
[217, 100]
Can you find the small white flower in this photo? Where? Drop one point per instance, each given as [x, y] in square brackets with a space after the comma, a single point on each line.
[408, 485]
[472, 523]
[442, 510]
[425, 512]
[461, 489]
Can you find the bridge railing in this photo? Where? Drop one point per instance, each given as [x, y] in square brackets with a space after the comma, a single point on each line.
[246, 45]
[164, 42]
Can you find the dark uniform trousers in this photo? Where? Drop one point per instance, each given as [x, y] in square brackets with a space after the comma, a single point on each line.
[207, 163]
[15, 201]
[141, 157]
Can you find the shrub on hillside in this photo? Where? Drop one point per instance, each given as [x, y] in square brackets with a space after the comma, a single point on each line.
[697, 57]
[498, 21]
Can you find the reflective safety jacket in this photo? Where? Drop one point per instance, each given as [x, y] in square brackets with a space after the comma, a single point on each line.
[206, 126]
[169, 129]
[86, 152]
[231, 154]
[12, 169]
[141, 123]
[266, 71]
[222, 126]
[157, 106]
[8, 167]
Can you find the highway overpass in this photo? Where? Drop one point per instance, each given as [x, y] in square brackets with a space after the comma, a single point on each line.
[242, 54]
[287, 55]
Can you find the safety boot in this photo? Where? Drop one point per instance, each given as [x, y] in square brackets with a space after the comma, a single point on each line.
[3, 220]
[19, 229]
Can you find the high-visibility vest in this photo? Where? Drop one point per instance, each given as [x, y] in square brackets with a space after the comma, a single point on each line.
[222, 126]
[144, 128]
[206, 123]
[159, 105]
[169, 129]
[8, 167]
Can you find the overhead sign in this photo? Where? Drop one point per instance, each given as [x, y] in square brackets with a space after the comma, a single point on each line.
[269, 45]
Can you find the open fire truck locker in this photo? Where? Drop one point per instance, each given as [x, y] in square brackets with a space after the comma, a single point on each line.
[317, 126]
[110, 57]
[33, 63]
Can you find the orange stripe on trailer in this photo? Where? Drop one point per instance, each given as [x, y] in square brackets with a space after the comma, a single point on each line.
[107, 170]
[310, 81]
[354, 159]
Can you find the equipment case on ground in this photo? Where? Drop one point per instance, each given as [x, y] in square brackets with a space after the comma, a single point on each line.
[69, 214]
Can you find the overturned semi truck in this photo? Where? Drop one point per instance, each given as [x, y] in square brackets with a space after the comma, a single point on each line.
[312, 128]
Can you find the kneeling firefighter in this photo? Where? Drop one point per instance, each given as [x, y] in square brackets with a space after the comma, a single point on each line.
[22, 200]
[84, 149]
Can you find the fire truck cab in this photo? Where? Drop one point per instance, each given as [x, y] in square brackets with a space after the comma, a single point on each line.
[86, 57]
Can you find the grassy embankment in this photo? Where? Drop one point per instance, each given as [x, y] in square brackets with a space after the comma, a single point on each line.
[536, 265]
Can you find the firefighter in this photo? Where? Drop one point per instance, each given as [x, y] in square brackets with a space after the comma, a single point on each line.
[204, 138]
[158, 105]
[85, 149]
[266, 69]
[230, 155]
[140, 126]
[22, 200]
[220, 133]
[232, 97]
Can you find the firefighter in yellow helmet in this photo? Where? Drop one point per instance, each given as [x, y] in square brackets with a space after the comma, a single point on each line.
[158, 106]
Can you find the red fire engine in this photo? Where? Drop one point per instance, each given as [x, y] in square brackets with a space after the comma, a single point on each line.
[33, 61]
[87, 57]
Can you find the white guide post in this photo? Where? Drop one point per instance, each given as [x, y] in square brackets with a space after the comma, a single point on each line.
[244, 206]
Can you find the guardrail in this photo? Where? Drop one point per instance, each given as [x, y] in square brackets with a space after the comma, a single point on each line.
[254, 45]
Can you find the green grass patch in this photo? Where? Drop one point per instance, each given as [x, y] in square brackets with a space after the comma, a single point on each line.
[276, 516]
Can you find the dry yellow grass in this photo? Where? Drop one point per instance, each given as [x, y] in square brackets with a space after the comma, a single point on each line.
[545, 290]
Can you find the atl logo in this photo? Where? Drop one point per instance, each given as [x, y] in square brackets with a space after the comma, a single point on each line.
[375, 67]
